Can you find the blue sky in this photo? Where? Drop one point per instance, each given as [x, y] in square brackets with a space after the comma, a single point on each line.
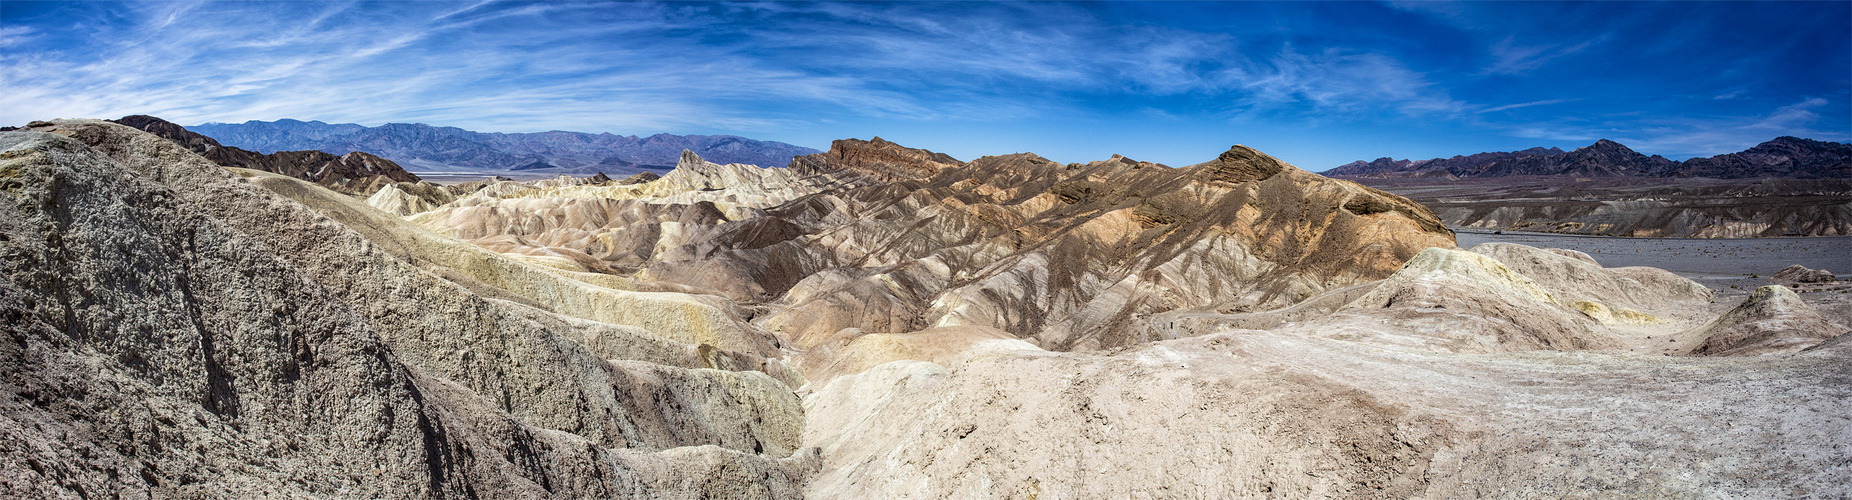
[1315, 83]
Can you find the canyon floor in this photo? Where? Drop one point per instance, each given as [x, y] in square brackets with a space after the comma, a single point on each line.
[878, 321]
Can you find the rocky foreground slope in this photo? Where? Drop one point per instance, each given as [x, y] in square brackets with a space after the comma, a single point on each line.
[175, 329]
[872, 321]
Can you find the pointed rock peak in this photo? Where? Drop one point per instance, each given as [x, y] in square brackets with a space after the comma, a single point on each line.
[689, 158]
[601, 178]
[1607, 145]
[1242, 164]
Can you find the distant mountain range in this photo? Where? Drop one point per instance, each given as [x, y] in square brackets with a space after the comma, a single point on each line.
[428, 148]
[355, 173]
[1783, 157]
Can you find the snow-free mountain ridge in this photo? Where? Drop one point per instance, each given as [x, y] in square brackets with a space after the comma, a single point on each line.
[433, 148]
[1782, 157]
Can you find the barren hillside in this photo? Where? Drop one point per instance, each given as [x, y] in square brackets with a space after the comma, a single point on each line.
[874, 321]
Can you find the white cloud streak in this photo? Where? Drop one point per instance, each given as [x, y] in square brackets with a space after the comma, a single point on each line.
[1525, 105]
[1512, 59]
[653, 67]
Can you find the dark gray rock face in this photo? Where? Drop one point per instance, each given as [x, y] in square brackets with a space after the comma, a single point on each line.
[1390, 167]
[1604, 158]
[1789, 157]
[168, 329]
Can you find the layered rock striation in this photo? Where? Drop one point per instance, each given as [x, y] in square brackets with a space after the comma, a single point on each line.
[175, 329]
[873, 321]
[890, 239]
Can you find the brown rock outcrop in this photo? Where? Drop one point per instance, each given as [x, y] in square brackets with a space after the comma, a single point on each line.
[1241, 164]
[1801, 274]
[877, 158]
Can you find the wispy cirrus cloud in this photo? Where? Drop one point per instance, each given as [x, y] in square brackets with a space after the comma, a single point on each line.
[1510, 58]
[1339, 81]
[1544, 102]
[961, 74]
[670, 65]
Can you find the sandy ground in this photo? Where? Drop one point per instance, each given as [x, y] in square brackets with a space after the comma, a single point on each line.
[1730, 267]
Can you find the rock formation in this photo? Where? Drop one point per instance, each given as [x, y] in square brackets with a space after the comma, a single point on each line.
[408, 198]
[176, 330]
[1071, 255]
[871, 322]
[1801, 274]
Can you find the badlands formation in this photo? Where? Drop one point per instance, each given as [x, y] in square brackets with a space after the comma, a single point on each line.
[873, 321]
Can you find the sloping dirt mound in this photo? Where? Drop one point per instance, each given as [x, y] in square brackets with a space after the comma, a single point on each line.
[1249, 414]
[1467, 302]
[1771, 320]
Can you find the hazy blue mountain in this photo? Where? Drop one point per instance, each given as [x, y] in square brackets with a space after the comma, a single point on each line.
[270, 137]
[426, 147]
